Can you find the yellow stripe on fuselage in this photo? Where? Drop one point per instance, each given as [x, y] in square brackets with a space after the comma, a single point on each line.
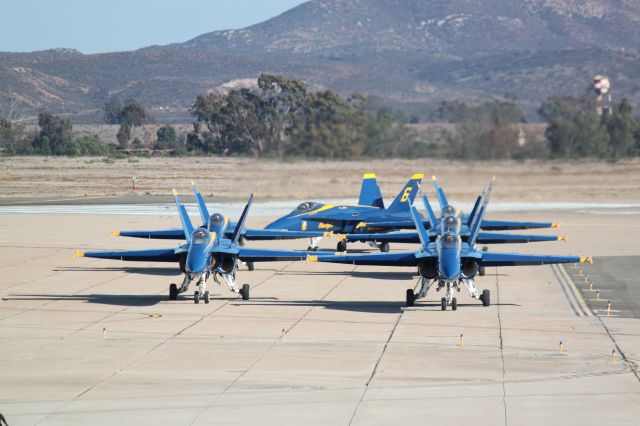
[330, 206]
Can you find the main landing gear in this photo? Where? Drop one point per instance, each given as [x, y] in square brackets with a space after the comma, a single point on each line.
[202, 293]
[342, 246]
[313, 243]
[451, 287]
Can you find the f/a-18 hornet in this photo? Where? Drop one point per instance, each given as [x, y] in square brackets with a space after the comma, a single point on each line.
[207, 253]
[448, 262]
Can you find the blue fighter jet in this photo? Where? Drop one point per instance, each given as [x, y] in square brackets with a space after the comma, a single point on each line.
[206, 253]
[448, 217]
[449, 262]
[207, 220]
[348, 218]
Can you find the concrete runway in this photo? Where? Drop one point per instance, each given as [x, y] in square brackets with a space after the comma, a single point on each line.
[317, 344]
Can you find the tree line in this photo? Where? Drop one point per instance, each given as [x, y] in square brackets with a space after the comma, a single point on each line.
[283, 118]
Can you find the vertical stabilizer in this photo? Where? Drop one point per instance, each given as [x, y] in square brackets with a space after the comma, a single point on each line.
[404, 200]
[370, 194]
[187, 226]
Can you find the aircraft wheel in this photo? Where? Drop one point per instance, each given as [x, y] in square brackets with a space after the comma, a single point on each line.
[384, 247]
[196, 297]
[206, 296]
[251, 266]
[245, 292]
[481, 271]
[454, 304]
[486, 298]
[443, 303]
[173, 292]
[411, 298]
[342, 246]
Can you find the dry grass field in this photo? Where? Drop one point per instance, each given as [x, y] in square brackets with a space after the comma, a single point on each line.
[233, 178]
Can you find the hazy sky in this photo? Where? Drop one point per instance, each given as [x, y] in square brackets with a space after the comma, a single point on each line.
[93, 26]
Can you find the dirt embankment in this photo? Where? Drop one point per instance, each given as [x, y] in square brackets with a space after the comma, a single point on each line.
[234, 178]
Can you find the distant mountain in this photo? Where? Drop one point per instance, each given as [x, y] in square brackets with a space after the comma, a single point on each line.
[411, 53]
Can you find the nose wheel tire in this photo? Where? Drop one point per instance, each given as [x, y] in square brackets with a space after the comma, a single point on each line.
[384, 247]
[342, 246]
[454, 304]
[411, 298]
[443, 303]
[245, 292]
[196, 297]
[173, 292]
[206, 296]
[485, 297]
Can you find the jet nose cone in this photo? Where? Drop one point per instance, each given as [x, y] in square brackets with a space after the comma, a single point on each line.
[195, 263]
[449, 268]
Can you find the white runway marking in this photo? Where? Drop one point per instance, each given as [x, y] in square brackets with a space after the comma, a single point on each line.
[278, 208]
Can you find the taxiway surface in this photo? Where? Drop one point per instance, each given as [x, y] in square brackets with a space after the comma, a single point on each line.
[97, 341]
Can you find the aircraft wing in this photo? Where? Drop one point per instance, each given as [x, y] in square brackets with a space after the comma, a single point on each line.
[153, 255]
[381, 259]
[505, 225]
[246, 254]
[513, 259]
[165, 234]
[390, 237]
[495, 238]
[277, 234]
[483, 238]
[395, 224]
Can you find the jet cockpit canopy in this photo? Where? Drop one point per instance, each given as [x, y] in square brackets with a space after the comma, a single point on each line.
[200, 236]
[307, 206]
